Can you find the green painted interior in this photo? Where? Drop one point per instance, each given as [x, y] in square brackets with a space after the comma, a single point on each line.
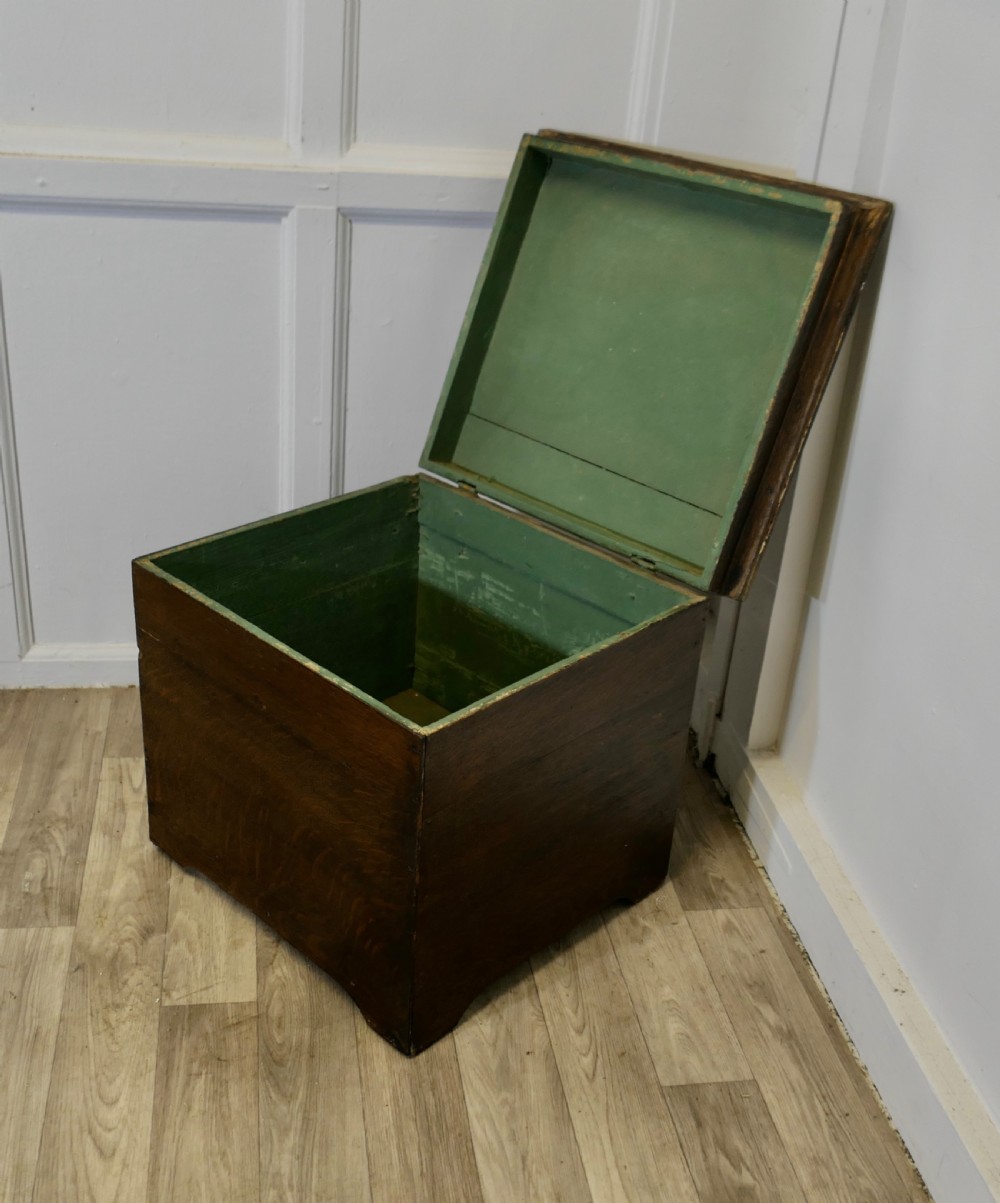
[420, 595]
[623, 348]
[335, 582]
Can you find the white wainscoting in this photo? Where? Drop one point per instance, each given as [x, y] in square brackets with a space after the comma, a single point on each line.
[236, 245]
[394, 259]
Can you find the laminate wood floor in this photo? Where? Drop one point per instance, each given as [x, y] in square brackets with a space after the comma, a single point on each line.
[159, 1044]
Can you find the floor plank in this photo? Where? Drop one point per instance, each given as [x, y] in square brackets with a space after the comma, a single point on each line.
[211, 954]
[709, 863]
[45, 845]
[18, 708]
[626, 1136]
[867, 1100]
[815, 1106]
[33, 965]
[100, 1105]
[312, 1134]
[521, 1129]
[419, 1144]
[731, 1144]
[124, 724]
[678, 1049]
[205, 1136]
[688, 1033]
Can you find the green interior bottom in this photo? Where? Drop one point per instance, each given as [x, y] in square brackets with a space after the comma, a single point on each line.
[419, 595]
[416, 707]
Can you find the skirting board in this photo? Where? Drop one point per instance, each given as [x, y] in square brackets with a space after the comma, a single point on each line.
[938, 1112]
[72, 665]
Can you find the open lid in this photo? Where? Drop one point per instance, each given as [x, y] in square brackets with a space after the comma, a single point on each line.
[645, 347]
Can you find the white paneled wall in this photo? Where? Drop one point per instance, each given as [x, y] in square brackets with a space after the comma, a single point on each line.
[187, 68]
[395, 263]
[472, 73]
[236, 243]
[750, 81]
[119, 326]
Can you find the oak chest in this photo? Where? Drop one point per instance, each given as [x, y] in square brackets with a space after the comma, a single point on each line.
[425, 729]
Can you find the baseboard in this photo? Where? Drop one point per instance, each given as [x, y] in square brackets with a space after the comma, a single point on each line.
[69, 665]
[945, 1124]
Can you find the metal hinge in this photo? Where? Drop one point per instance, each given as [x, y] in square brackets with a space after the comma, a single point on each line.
[466, 487]
[643, 562]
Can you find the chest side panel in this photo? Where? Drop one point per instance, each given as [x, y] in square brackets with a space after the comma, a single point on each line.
[289, 792]
[544, 807]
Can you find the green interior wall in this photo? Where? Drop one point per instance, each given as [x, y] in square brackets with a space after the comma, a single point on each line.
[624, 346]
[416, 587]
[498, 599]
[337, 582]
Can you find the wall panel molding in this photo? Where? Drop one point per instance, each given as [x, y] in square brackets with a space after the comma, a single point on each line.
[431, 179]
[652, 51]
[20, 586]
[317, 34]
[57, 142]
[346, 221]
[314, 275]
[309, 273]
[287, 359]
[324, 100]
[828, 49]
[112, 80]
[350, 59]
[59, 665]
[295, 75]
[37, 655]
[411, 276]
[341, 340]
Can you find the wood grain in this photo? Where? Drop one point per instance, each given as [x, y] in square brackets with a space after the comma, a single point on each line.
[419, 1144]
[709, 863]
[731, 1144]
[96, 1138]
[124, 724]
[205, 1137]
[312, 1132]
[626, 1137]
[547, 1090]
[45, 846]
[836, 1040]
[525, 1145]
[296, 796]
[33, 966]
[532, 822]
[814, 1104]
[17, 717]
[687, 1031]
[864, 224]
[211, 954]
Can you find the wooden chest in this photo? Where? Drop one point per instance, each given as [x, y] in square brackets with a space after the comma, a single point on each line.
[422, 733]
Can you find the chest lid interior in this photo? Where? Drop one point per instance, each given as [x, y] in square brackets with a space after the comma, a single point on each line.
[645, 347]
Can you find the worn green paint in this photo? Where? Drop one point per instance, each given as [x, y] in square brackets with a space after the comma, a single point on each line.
[308, 578]
[624, 346]
[282, 561]
[420, 595]
[538, 555]
[584, 494]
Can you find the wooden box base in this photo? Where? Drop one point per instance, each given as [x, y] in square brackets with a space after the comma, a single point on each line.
[420, 736]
